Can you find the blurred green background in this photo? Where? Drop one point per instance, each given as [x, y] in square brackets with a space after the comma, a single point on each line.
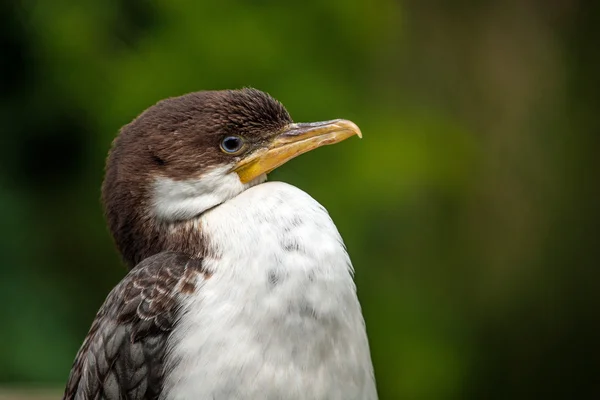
[471, 208]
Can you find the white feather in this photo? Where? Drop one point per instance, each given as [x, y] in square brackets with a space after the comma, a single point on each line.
[279, 318]
[178, 200]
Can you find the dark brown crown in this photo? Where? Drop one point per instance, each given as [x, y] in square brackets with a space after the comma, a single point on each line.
[177, 138]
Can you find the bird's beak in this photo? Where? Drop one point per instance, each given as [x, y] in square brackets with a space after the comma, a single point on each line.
[295, 139]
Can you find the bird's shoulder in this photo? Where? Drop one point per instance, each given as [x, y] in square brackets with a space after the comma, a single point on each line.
[123, 354]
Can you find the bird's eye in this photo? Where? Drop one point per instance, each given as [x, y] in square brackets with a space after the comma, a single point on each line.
[232, 144]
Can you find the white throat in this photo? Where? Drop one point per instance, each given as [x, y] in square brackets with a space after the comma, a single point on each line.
[177, 200]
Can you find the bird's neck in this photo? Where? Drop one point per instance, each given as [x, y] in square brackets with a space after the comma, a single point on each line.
[145, 237]
[165, 214]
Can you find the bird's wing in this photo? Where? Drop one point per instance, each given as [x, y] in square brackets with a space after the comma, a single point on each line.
[122, 356]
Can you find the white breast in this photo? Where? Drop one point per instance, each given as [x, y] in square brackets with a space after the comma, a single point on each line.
[279, 318]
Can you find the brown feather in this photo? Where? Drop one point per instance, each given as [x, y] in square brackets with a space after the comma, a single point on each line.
[123, 353]
[177, 138]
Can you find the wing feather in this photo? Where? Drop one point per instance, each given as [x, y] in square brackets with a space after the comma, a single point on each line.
[122, 356]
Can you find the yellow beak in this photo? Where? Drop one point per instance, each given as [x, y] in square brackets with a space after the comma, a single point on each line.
[295, 139]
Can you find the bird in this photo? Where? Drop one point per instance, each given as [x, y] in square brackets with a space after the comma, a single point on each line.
[237, 287]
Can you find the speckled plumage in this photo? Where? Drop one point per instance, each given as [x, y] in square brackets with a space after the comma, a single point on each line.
[238, 290]
[279, 319]
[123, 355]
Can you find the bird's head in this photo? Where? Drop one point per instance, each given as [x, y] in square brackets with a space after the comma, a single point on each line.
[188, 154]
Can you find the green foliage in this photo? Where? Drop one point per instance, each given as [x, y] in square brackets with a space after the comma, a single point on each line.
[468, 208]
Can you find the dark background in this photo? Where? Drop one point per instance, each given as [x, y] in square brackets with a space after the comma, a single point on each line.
[471, 208]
